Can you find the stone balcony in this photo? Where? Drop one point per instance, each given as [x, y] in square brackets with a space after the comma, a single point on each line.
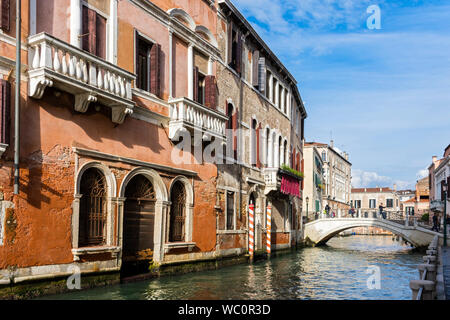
[437, 205]
[272, 179]
[55, 63]
[187, 115]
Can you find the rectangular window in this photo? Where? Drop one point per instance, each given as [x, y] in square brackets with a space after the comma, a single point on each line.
[5, 111]
[268, 85]
[148, 65]
[372, 203]
[143, 48]
[5, 15]
[389, 203]
[2, 224]
[200, 88]
[358, 204]
[94, 33]
[235, 48]
[230, 210]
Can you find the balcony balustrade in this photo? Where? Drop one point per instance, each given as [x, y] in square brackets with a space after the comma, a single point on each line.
[55, 63]
[187, 115]
[437, 205]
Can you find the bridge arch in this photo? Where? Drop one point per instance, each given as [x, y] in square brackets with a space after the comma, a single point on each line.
[334, 232]
[320, 231]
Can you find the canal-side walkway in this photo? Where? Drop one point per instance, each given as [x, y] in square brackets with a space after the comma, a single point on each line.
[446, 270]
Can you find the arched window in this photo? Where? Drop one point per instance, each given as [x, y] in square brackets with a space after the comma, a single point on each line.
[286, 153]
[267, 147]
[93, 208]
[280, 152]
[177, 213]
[232, 125]
[253, 154]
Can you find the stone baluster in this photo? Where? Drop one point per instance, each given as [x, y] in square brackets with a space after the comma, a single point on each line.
[64, 67]
[56, 63]
[46, 56]
[36, 58]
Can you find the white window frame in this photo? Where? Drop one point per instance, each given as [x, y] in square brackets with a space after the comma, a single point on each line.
[227, 192]
[76, 21]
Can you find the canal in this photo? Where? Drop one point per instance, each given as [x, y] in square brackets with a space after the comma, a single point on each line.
[336, 271]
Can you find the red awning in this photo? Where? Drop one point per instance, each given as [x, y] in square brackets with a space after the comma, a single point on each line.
[290, 186]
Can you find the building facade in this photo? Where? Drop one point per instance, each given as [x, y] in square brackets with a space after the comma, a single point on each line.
[337, 176]
[422, 197]
[439, 174]
[123, 101]
[266, 114]
[313, 181]
[367, 200]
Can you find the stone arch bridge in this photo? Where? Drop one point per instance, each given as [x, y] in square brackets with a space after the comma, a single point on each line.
[318, 232]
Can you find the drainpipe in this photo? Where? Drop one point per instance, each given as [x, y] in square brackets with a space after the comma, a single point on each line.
[17, 97]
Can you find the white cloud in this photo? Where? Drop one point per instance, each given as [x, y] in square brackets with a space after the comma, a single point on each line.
[422, 174]
[367, 179]
[361, 179]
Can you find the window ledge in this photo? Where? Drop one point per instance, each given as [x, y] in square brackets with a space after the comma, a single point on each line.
[3, 148]
[231, 231]
[178, 245]
[94, 250]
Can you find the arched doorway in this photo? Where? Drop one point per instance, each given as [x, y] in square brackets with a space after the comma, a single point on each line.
[138, 225]
[177, 227]
[93, 208]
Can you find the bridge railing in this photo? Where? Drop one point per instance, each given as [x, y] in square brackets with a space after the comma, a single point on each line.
[394, 216]
[425, 287]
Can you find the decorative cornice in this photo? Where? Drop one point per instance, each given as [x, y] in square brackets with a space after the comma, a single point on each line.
[114, 158]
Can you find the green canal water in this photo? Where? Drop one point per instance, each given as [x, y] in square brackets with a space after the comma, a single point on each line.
[337, 271]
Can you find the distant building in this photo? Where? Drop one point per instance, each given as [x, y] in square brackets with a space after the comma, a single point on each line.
[368, 200]
[405, 197]
[422, 199]
[313, 181]
[337, 177]
[439, 172]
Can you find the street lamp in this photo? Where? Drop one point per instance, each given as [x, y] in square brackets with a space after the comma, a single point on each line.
[307, 203]
[445, 189]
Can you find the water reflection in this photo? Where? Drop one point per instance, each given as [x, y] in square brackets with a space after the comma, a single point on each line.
[336, 271]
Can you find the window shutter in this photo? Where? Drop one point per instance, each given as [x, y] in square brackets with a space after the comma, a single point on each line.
[6, 15]
[258, 146]
[255, 68]
[239, 54]
[100, 36]
[235, 127]
[262, 74]
[138, 62]
[155, 69]
[230, 42]
[442, 190]
[89, 41]
[5, 117]
[448, 185]
[210, 92]
[195, 84]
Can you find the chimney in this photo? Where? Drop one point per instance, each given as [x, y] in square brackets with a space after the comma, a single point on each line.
[332, 143]
[434, 159]
[395, 187]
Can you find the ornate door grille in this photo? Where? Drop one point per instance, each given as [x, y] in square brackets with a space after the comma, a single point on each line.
[93, 208]
[177, 214]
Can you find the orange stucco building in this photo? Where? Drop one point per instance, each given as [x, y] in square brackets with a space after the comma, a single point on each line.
[109, 90]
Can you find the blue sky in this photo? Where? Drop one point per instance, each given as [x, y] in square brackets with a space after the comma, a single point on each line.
[382, 95]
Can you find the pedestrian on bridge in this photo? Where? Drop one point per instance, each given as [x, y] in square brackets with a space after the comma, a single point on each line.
[382, 213]
[435, 223]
